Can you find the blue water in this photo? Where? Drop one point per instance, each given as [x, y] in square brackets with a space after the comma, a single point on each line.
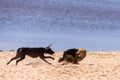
[93, 25]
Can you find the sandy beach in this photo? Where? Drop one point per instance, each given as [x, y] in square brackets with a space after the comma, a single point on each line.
[95, 66]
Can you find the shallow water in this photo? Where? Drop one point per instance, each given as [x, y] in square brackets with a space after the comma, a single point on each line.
[65, 24]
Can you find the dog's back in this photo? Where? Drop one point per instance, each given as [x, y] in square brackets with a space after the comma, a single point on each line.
[32, 52]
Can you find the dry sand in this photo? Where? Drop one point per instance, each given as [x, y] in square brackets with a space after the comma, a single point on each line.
[96, 66]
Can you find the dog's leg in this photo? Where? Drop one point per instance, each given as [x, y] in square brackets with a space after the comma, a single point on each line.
[49, 57]
[21, 58]
[43, 58]
[16, 57]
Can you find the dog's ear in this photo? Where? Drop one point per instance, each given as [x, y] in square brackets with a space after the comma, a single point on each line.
[49, 46]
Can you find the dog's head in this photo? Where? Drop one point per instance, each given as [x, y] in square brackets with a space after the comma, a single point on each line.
[49, 50]
[80, 54]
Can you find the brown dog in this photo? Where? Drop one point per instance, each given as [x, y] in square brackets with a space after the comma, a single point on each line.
[73, 55]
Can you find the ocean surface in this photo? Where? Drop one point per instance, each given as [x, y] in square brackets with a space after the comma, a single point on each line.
[90, 24]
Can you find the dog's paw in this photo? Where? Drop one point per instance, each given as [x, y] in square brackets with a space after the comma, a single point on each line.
[53, 58]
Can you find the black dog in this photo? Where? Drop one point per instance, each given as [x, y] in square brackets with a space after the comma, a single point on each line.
[33, 52]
